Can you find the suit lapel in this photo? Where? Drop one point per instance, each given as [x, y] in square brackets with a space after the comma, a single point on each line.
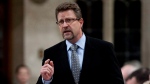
[64, 56]
[64, 62]
[87, 55]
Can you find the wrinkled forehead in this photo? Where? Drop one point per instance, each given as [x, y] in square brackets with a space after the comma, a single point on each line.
[66, 14]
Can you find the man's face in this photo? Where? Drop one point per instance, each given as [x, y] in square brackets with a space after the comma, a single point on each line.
[70, 26]
[23, 75]
[127, 70]
[132, 81]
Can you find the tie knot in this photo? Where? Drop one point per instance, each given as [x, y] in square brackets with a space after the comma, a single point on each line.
[74, 47]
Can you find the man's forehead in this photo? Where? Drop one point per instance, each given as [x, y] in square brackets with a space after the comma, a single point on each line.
[66, 14]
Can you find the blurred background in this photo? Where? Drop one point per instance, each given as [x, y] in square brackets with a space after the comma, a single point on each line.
[27, 27]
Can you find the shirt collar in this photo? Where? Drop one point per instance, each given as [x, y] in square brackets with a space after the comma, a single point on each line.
[80, 42]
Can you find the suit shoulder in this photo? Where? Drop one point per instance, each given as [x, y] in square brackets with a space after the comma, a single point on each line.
[96, 41]
[55, 47]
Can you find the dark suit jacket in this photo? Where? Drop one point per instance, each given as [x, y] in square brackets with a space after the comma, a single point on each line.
[100, 66]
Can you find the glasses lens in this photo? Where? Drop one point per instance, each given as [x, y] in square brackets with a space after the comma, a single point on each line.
[67, 20]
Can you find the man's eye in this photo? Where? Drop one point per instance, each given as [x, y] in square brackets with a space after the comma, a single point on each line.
[68, 20]
[61, 21]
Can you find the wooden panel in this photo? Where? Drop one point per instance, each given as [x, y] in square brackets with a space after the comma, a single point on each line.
[5, 70]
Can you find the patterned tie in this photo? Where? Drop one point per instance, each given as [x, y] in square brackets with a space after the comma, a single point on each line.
[75, 66]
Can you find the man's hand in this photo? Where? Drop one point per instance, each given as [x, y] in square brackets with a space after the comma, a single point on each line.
[47, 70]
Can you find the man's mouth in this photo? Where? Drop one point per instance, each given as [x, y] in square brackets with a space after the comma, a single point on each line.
[66, 31]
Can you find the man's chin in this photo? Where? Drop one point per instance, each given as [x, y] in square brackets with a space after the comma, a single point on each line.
[68, 37]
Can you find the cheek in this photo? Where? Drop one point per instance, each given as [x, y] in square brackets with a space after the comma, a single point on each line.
[76, 27]
[131, 81]
[23, 75]
[60, 29]
[23, 78]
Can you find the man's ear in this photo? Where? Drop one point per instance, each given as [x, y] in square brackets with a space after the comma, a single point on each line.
[81, 21]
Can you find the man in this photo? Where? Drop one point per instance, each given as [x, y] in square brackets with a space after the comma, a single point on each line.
[139, 76]
[93, 62]
[22, 74]
[129, 67]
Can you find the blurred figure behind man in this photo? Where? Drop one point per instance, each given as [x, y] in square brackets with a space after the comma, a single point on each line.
[129, 67]
[139, 76]
[22, 74]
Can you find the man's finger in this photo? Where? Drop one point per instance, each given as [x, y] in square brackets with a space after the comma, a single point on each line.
[47, 61]
[48, 66]
[44, 71]
[51, 63]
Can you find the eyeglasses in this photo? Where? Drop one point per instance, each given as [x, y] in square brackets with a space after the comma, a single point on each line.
[67, 20]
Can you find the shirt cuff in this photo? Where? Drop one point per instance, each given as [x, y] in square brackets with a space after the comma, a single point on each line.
[47, 82]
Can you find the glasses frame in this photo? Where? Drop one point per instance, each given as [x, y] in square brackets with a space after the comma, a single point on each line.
[70, 20]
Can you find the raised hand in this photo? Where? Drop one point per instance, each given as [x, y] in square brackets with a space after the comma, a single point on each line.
[47, 70]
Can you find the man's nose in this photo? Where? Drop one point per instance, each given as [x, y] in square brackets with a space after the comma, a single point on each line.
[64, 24]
